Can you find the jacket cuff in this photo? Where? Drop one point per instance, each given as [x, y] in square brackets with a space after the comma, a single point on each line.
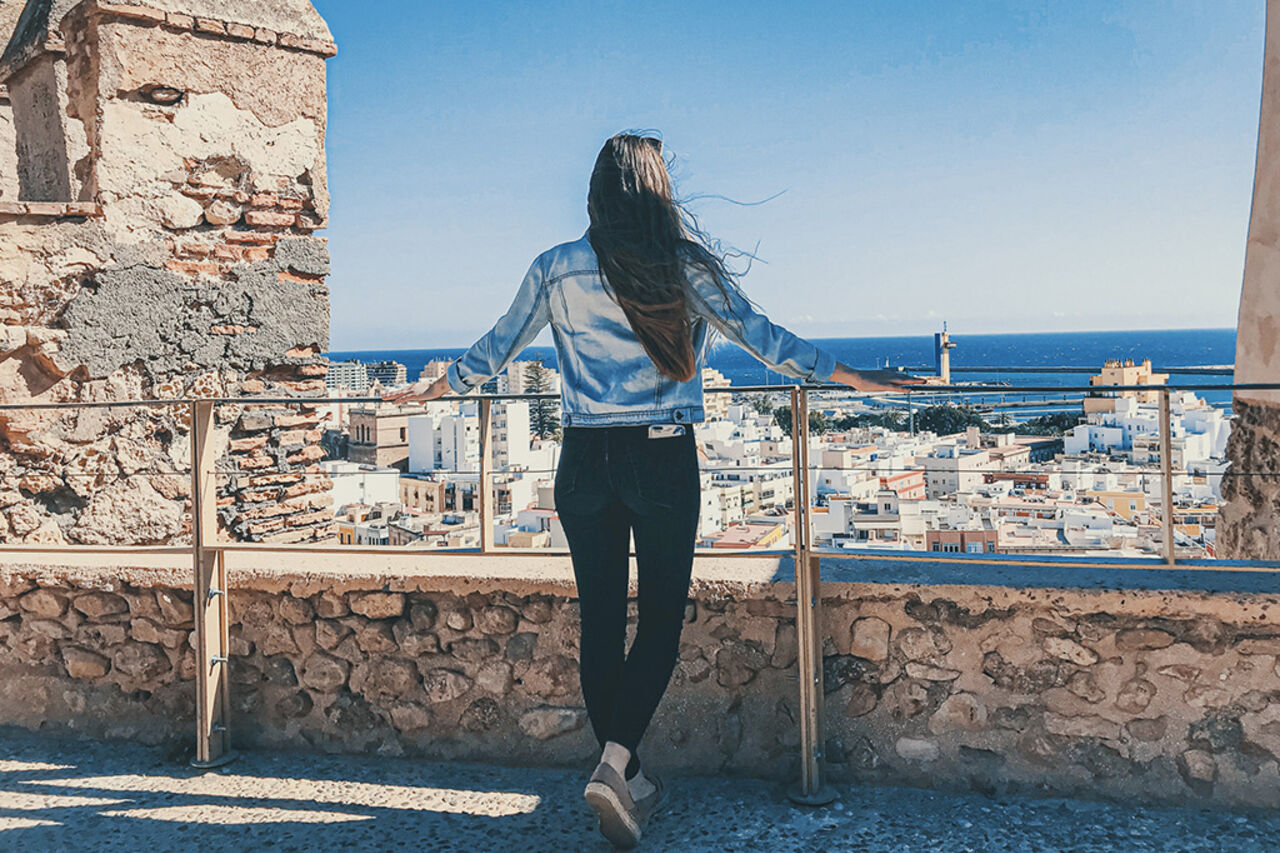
[455, 379]
[823, 368]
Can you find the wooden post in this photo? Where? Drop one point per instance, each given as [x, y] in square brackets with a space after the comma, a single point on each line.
[1166, 473]
[809, 790]
[484, 489]
[209, 601]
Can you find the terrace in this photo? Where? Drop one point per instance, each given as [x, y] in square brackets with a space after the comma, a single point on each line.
[169, 578]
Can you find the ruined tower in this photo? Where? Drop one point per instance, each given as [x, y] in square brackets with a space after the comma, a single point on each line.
[1249, 526]
[162, 174]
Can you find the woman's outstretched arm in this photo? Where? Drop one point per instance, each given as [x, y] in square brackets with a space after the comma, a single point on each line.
[738, 320]
[487, 357]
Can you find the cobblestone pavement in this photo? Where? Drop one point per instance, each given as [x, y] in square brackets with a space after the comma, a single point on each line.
[61, 795]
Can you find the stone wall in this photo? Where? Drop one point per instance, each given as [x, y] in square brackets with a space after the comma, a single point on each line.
[191, 149]
[1144, 694]
[1250, 515]
[1251, 489]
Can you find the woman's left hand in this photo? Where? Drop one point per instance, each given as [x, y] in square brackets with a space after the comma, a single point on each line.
[419, 391]
[876, 380]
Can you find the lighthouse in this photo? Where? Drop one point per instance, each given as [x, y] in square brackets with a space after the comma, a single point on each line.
[942, 347]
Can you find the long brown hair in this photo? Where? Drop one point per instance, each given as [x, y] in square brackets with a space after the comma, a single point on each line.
[645, 242]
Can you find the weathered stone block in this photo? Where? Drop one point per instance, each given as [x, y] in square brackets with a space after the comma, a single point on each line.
[482, 715]
[925, 672]
[445, 685]
[862, 699]
[458, 620]
[1259, 646]
[297, 611]
[146, 631]
[1069, 650]
[737, 662]
[497, 620]
[870, 638]
[324, 673]
[917, 749]
[1198, 766]
[959, 712]
[546, 722]
[295, 705]
[1147, 729]
[1085, 685]
[410, 716]
[522, 646]
[385, 677]
[552, 676]
[1081, 726]
[422, 614]
[51, 628]
[495, 677]
[329, 605]
[82, 663]
[275, 638]
[473, 650]
[376, 638]
[44, 603]
[175, 610]
[1137, 639]
[98, 605]
[141, 661]
[538, 611]
[378, 605]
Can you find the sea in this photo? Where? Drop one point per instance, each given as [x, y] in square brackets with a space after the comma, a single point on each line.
[1025, 359]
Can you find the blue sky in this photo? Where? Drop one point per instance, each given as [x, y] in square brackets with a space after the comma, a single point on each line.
[1005, 166]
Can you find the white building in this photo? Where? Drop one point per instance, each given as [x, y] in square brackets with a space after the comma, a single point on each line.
[354, 483]
[445, 441]
[883, 523]
[953, 468]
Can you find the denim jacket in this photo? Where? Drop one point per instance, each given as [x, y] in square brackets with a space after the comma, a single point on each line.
[606, 377]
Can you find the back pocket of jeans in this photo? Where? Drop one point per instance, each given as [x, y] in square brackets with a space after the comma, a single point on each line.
[660, 469]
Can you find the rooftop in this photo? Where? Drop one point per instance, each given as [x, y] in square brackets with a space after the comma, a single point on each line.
[73, 795]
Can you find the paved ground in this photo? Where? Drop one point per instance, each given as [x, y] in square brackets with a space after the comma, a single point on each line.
[58, 795]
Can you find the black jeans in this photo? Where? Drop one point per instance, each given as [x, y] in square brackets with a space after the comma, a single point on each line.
[612, 483]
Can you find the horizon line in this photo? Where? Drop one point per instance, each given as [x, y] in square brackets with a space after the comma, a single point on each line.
[955, 336]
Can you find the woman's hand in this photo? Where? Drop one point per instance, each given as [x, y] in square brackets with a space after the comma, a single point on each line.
[876, 380]
[419, 391]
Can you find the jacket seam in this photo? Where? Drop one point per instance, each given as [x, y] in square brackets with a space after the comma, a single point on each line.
[570, 273]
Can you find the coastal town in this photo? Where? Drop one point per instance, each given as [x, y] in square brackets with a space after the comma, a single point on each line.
[1082, 477]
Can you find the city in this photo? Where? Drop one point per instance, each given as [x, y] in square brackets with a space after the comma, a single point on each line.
[834, 593]
[1083, 480]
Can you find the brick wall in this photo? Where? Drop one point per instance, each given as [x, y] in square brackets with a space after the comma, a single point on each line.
[183, 263]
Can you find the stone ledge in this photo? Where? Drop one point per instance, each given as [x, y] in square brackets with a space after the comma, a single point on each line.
[230, 30]
[762, 575]
[50, 209]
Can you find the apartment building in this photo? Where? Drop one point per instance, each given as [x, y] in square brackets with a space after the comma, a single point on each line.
[349, 375]
[388, 374]
[379, 436]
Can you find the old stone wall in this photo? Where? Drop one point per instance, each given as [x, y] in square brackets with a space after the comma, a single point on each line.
[192, 150]
[1145, 695]
[1249, 528]
[8, 149]
[1251, 489]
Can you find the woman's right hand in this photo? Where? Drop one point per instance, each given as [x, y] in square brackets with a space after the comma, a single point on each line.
[419, 391]
[876, 380]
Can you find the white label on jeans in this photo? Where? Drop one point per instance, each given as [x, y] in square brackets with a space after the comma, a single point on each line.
[665, 430]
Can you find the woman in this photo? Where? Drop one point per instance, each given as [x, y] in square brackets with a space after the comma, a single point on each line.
[631, 305]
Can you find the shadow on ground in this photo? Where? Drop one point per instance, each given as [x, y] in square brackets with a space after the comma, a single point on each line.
[58, 794]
